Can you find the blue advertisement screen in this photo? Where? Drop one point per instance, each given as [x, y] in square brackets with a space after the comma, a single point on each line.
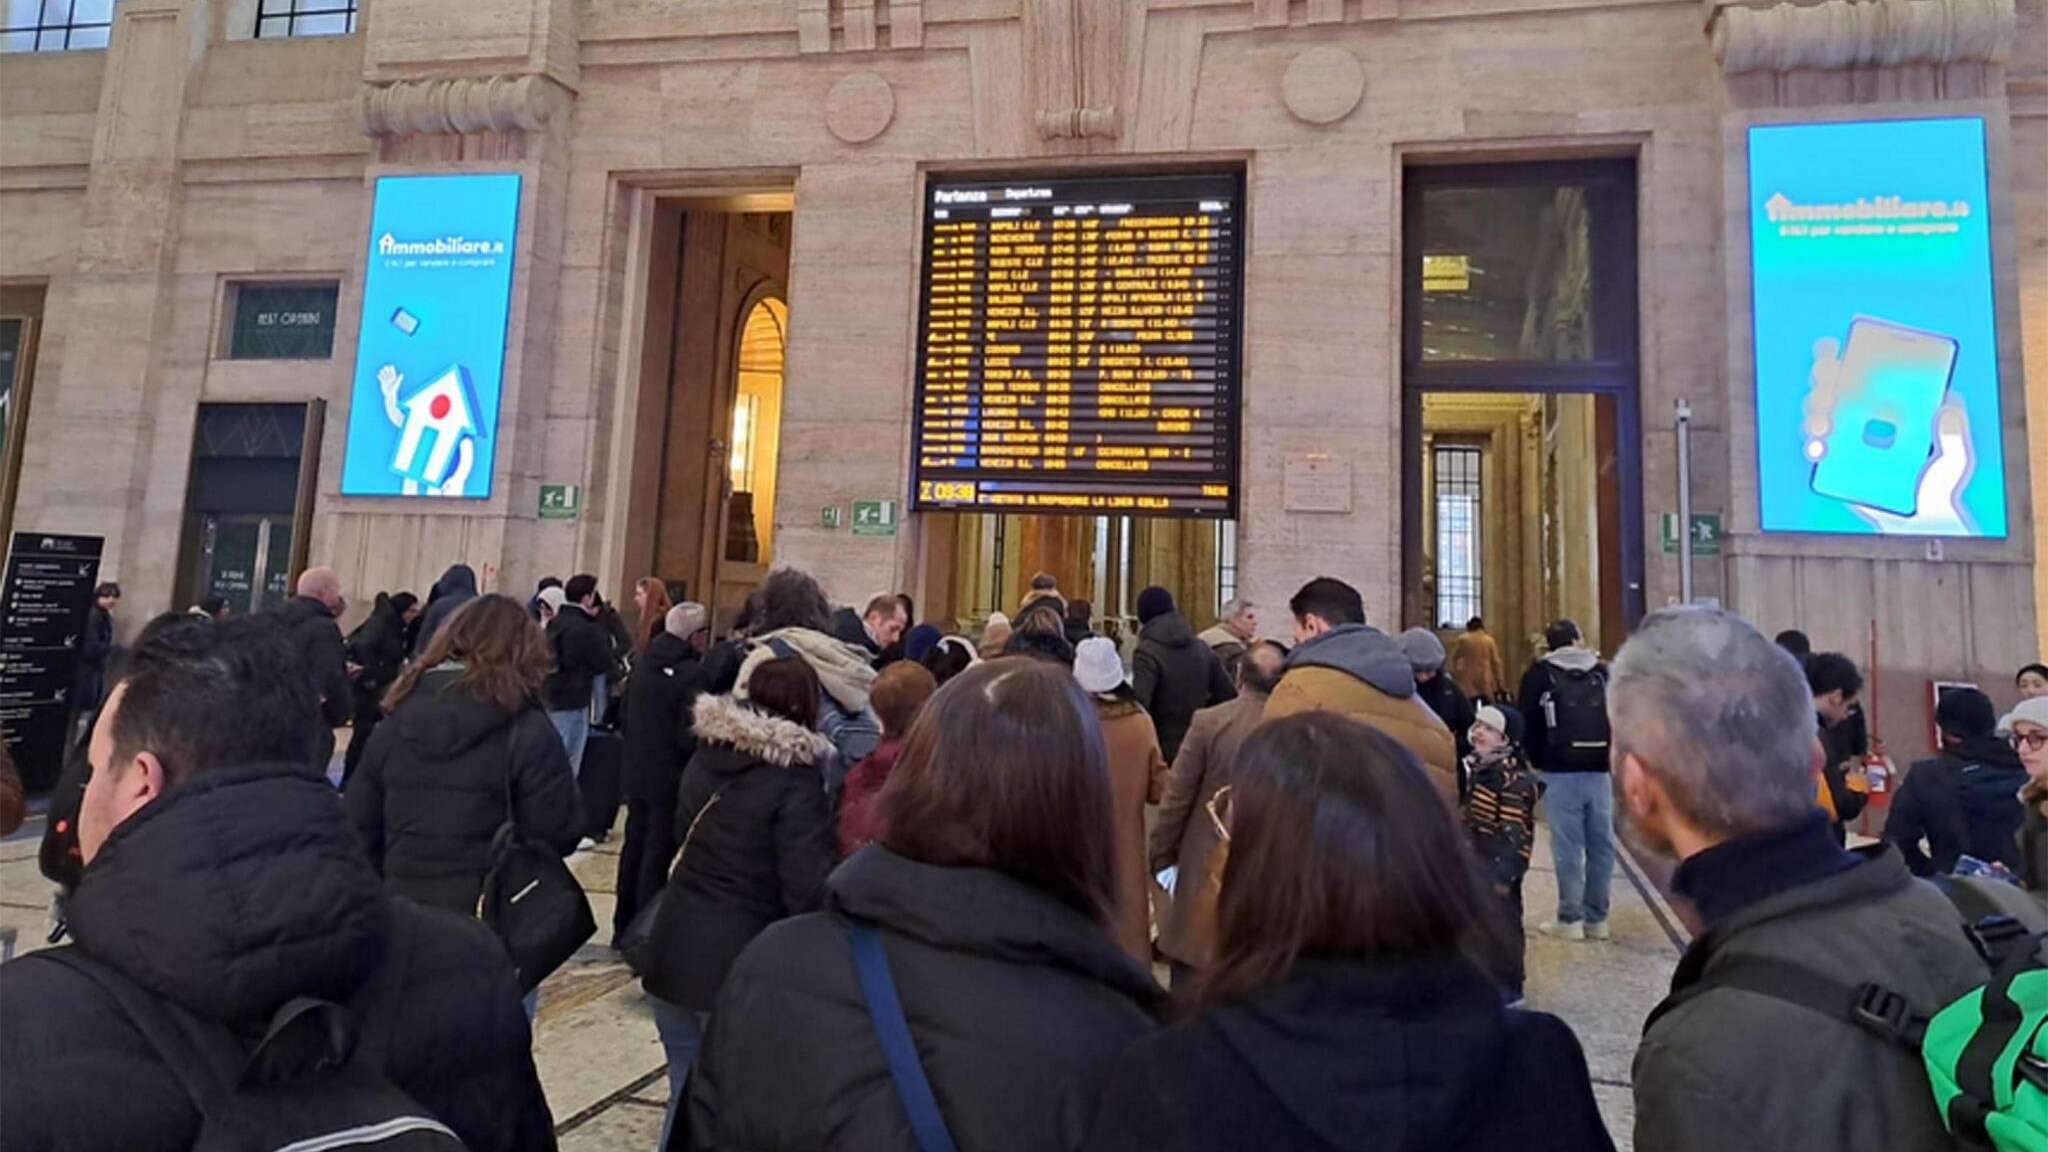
[1876, 349]
[430, 359]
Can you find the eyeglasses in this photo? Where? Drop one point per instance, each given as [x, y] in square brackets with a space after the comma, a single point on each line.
[2030, 741]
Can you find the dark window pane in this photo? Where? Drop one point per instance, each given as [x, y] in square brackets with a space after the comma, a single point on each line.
[1507, 274]
[282, 322]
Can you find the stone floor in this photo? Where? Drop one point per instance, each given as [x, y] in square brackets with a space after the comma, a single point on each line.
[603, 1069]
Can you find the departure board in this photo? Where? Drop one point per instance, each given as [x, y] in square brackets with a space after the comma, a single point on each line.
[1078, 346]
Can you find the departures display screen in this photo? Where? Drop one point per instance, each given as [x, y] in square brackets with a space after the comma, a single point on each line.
[1078, 346]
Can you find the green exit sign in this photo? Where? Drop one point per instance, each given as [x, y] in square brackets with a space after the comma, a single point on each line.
[1706, 533]
[874, 517]
[560, 501]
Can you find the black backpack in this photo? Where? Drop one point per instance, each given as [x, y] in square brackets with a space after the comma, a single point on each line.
[312, 1081]
[1575, 716]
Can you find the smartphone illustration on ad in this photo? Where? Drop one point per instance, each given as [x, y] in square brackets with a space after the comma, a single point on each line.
[1894, 379]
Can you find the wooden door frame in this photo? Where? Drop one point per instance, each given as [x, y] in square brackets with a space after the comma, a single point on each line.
[1613, 373]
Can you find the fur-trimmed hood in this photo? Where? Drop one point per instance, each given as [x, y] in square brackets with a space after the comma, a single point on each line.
[785, 743]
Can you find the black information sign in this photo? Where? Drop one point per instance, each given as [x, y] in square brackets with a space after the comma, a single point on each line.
[43, 605]
[1078, 346]
[283, 322]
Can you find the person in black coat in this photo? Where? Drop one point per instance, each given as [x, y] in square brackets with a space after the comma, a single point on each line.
[991, 891]
[378, 647]
[581, 652]
[95, 649]
[1426, 656]
[466, 747]
[1174, 674]
[1347, 1008]
[456, 587]
[310, 620]
[223, 879]
[1965, 801]
[660, 739]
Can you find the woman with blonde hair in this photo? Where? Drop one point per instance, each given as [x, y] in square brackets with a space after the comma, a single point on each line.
[465, 746]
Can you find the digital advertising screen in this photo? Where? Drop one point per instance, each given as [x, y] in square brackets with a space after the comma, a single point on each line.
[1078, 346]
[430, 357]
[1876, 344]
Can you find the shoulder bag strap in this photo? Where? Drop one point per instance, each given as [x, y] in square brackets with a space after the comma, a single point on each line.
[885, 1011]
[1870, 1006]
[694, 821]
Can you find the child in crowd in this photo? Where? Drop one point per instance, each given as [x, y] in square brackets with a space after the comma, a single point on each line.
[1500, 817]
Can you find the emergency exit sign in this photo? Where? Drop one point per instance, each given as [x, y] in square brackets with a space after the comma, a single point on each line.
[874, 517]
[560, 501]
[1706, 533]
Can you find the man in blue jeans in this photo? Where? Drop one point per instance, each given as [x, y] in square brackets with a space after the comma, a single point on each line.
[581, 657]
[1563, 700]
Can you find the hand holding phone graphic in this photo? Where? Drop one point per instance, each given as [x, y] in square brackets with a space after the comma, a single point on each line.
[1881, 432]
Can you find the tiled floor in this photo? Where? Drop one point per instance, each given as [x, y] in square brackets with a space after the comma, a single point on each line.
[602, 1066]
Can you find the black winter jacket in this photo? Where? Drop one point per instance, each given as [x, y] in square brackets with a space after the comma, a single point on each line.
[437, 780]
[582, 653]
[95, 649]
[664, 686]
[1450, 705]
[1413, 1055]
[379, 646]
[761, 852]
[456, 587]
[1175, 676]
[1019, 1005]
[317, 639]
[1964, 801]
[229, 895]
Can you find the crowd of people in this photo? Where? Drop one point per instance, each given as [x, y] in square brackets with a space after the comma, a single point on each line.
[886, 886]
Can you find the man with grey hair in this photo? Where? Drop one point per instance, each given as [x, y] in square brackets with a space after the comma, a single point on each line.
[309, 621]
[659, 740]
[1759, 1045]
[1237, 625]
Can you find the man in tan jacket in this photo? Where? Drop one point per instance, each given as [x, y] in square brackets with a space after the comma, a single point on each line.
[1339, 664]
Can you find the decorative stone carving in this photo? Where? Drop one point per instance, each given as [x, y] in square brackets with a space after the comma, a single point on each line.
[1323, 85]
[1842, 34]
[1078, 124]
[461, 106]
[859, 107]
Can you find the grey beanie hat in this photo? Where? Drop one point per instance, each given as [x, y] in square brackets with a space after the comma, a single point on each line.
[1424, 651]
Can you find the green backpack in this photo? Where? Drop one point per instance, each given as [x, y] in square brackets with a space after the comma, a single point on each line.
[1986, 1052]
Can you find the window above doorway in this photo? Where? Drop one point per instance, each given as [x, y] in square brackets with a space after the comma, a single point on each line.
[56, 25]
[276, 19]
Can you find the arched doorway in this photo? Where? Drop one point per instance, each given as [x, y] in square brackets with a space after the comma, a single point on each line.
[753, 440]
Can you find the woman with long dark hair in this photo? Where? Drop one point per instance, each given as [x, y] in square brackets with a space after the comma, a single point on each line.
[465, 745]
[1348, 1006]
[987, 902]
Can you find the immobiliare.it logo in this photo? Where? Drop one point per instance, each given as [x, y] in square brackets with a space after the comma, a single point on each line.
[389, 245]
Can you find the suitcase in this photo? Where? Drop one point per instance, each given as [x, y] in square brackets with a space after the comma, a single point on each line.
[603, 766]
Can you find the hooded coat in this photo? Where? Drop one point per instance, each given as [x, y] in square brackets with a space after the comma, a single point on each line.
[1538, 680]
[1397, 1055]
[1019, 1005]
[1175, 676]
[1965, 801]
[759, 853]
[442, 774]
[1137, 777]
[456, 587]
[1361, 672]
[847, 675]
[233, 893]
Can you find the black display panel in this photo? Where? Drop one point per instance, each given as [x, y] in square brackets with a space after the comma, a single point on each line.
[1078, 346]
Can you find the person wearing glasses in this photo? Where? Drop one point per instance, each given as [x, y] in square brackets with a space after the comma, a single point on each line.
[2028, 726]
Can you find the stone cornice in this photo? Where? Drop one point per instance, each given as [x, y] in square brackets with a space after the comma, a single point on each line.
[462, 105]
[1841, 34]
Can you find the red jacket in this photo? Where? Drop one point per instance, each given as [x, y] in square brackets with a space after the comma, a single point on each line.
[858, 823]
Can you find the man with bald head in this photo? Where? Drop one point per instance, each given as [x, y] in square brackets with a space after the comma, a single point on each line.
[309, 621]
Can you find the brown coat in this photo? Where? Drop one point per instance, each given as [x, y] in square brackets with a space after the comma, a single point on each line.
[2033, 837]
[1474, 665]
[1406, 719]
[1136, 772]
[1185, 836]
